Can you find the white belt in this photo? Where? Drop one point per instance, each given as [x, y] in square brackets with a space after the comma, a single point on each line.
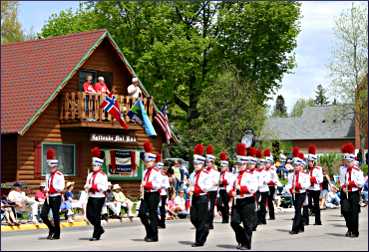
[54, 194]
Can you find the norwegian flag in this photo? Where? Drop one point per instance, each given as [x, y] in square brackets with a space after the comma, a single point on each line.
[110, 105]
[161, 118]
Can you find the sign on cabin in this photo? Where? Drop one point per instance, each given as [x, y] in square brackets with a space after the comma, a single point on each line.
[113, 138]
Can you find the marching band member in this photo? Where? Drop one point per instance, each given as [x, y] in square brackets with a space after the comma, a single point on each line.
[263, 187]
[54, 187]
[163, 190]
[272, 180]
[151, 184]
[251, 165]
[316, 178]
[354, 181]
[225, 187]
[97, 185]
[200, 184]
[214, 178]
[298, 182]
[342, 177]
[243, 209]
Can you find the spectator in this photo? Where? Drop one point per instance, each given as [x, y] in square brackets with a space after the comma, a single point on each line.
[180, 205]
[7, 210]
[325, 188]
[101, 87]
[66, 206]
[40, 195]
[88, 88]
[364, 193]
[120, 200]
[359, 156]
[332, 199]
[109, 203]
[134, 90]
[81, 203]
[22, 202]
[171, 205]
[179, 174]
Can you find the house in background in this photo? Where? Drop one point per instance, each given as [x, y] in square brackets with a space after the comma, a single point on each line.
[43, 106]
[328, 127]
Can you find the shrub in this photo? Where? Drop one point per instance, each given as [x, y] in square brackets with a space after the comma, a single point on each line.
[331, 161]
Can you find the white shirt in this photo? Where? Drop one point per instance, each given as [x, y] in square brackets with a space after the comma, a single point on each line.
[272, 177]
[134, 91]
[318, 174]
[246, 179]
[101, 181]
[58, 183]
[155, 178]
[214, 179]
[204, 181]
[181, 202]
[230, 178]
[357, 176]
[304, 180]
[263, 181]
[17, 197]
[164, 184]
[342, 176]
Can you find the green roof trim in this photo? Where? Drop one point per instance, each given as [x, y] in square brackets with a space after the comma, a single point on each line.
[61, 85]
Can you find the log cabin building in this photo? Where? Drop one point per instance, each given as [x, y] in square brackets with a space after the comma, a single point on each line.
[42, 106]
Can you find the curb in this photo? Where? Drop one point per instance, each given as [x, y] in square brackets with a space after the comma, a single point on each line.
[41, 226]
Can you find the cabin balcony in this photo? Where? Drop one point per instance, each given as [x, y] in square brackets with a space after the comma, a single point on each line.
[79, 109]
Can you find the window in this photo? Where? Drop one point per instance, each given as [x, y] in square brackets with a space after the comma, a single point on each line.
[108, 77]
[65, 153]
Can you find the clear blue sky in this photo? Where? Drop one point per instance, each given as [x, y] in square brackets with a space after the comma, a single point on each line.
[314, 43]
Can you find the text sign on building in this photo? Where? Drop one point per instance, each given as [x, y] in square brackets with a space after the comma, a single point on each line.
[113, 138]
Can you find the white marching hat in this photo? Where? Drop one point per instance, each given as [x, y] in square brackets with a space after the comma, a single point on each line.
[149, 156]
[51, 157]
[96, 157]
[198, 157]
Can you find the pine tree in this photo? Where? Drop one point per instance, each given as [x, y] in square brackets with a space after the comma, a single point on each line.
[280, 109]
[320, 98]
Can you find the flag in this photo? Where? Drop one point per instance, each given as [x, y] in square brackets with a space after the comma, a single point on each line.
[139, 115]
[161, 118]
[110, 105]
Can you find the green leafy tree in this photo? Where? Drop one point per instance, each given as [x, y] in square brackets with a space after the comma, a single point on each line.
[320, 96]
[280, 109]
[11, 29]
[300, 105]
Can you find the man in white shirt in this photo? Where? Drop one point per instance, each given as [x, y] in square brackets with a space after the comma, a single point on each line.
[134, 90]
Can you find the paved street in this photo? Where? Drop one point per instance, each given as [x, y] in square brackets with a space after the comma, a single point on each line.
[180, 234]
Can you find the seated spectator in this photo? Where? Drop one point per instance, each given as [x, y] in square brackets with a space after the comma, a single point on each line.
[23, 202]
[109, 203]
[180, 205]
[66, 206]
[332, 199]
[171, 205]
[364, 192]
[134, 90]
[40, 195]
[120, 200]
[101, 87]
[81, 203]
[7, 210]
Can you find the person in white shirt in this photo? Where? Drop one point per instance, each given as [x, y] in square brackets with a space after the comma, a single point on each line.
[251, 171]
[22, 201]
[272, 180]
[263, 187]
[163, 190]
[134, 90]
[225, 187]
[353, 182]
[200, 183]
[151, 184]
[54, 187]
[180, 205]
[298, 182]
[214, 177]
[97, 185]
[243, 210]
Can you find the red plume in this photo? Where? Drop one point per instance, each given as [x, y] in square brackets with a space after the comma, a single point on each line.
[96, 152]
[348, 148]
[199, 149]
[258, 153]
[241, 149]
[51, 153]
[223, 156]
[301, 155]
[295, 151]
[148, 146]
[267, 153]
[252, 151]
[312, 149]
[210, 149]
[158, 157]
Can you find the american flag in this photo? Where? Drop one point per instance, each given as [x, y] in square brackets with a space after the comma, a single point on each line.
[161, 118]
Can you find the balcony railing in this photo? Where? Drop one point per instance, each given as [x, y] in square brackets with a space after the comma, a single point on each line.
[79, 107]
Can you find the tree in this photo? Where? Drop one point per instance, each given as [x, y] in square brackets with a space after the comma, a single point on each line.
[320, 97]
[350, 63]
[280, 109]
[11, 30]
[300, 105]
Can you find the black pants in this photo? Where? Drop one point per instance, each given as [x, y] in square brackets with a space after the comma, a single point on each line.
[93, 214]
[313, 199]
[352, 216]
[261, 213]
[199, 217]
[223, 205]
[342, 197]
[243, 212]
[212, 197]
[163, 200]
[149, 213]
[270, 202]
[298, 223]
[54, 205]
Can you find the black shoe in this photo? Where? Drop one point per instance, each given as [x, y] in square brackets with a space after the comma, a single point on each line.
[197, 244]
[100, 233]
[354, 235]
[239, 246]
[55, 237]
[318, 224]
[225, 221]
[211, 227]
[272, 218]
[293, 232]
[243, 248]
[348, 234]
[94, 239]
[151, 240]
[50, 236]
